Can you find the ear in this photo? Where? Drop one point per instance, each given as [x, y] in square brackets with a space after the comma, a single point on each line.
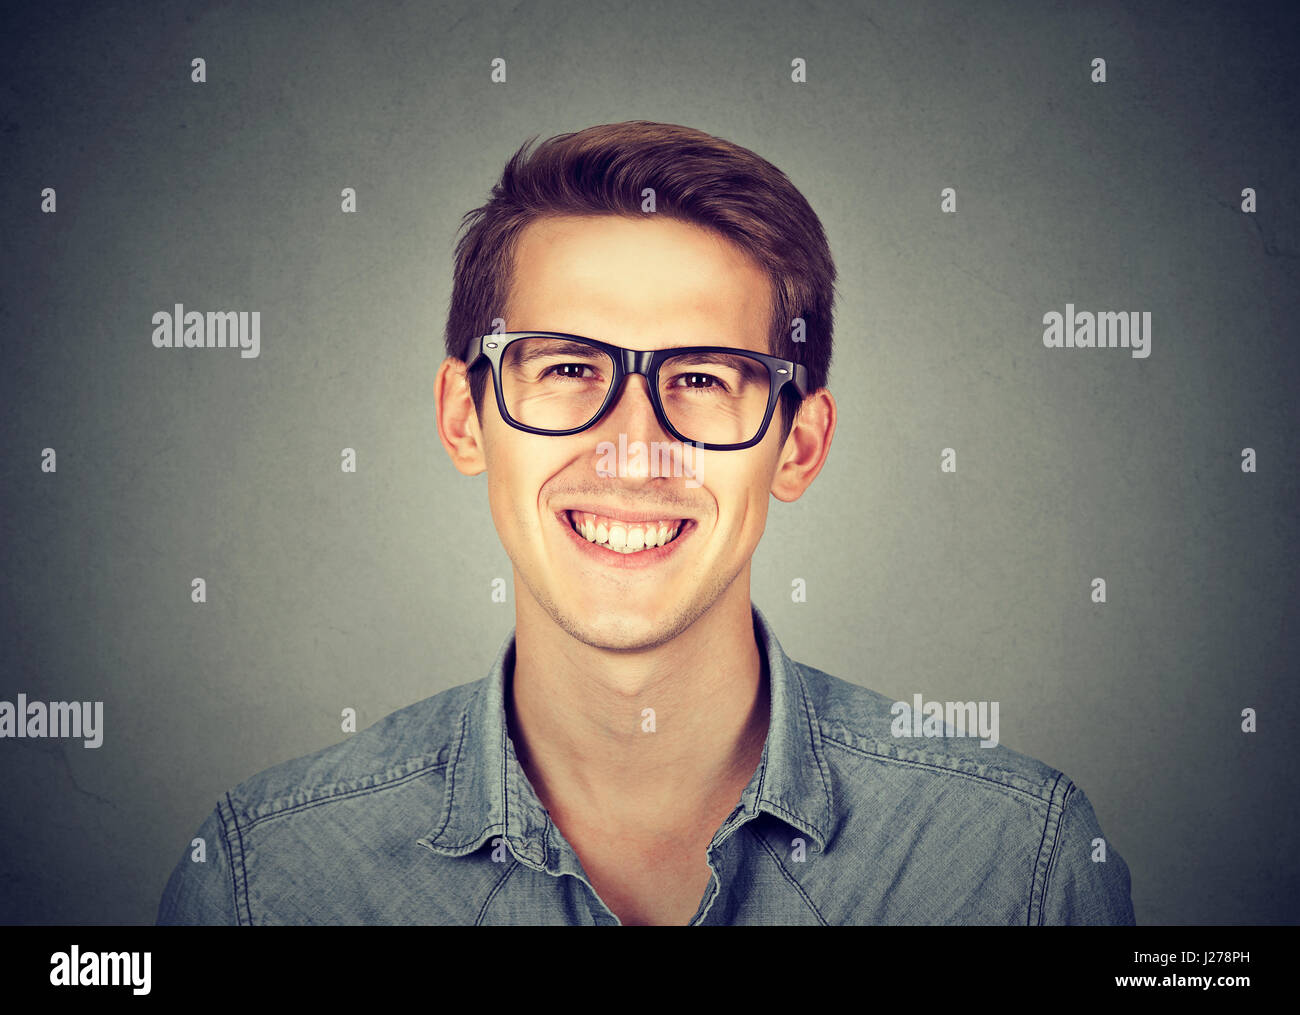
[806, 447]
[458, 423]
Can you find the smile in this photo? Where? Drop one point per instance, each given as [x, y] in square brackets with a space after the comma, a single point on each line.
[618, 535]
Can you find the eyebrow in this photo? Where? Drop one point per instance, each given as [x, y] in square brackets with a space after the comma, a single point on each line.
[555, 347]
[561, 347]
[744, 364]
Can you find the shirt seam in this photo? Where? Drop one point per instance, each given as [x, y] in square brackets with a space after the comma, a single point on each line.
[797, 820]
[343, 794]
[944, 769]
[815, 738]
[505, 793]
[495, 889]
[1044, 868]
[788, 876]
[238, 870]
[451, 774]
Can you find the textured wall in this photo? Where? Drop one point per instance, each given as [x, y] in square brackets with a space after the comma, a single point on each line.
[328, 590]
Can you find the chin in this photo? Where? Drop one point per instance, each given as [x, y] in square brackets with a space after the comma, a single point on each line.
[619, 629]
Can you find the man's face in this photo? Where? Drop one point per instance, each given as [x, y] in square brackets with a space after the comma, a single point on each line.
[645, 284]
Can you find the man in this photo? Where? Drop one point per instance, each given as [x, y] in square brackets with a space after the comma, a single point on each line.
[638, 347]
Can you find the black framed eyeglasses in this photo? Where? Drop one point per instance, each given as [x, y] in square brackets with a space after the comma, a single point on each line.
[715, 397]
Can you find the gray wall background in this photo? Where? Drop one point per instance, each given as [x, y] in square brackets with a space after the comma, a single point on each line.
[372, 590]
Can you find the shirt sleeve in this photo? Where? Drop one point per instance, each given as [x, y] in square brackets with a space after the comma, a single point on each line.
[202, 891]
[1081, 887]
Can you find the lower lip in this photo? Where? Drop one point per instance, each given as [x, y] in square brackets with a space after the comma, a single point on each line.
[626, 561]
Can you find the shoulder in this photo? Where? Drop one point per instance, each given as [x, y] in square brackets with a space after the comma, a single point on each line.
[925, 801]
[864, 729]
[330, 837]
[412, 742]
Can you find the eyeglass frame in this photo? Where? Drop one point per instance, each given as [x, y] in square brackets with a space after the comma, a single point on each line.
[645, 362]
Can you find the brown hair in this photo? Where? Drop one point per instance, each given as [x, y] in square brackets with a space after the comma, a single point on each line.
[697, 178]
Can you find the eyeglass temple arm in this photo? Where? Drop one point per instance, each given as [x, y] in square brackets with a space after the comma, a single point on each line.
[801, 379]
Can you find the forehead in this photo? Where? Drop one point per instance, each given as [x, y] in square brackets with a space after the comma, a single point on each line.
[642, 283]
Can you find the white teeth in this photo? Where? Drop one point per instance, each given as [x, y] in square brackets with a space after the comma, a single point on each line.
[625, 539]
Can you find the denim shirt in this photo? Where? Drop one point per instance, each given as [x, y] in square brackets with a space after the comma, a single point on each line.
[426, 817]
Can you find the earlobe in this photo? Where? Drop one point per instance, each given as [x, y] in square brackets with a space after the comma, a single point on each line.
[458, 424]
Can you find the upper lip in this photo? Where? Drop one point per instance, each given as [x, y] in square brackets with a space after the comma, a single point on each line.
[622, 514]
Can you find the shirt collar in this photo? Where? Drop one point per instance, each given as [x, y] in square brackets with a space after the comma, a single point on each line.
[488, 795]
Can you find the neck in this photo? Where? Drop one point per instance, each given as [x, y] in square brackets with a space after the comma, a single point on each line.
[578, 722]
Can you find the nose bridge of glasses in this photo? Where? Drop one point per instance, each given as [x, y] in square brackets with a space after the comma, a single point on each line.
[634, 362]
[637, 361]
[630, 379]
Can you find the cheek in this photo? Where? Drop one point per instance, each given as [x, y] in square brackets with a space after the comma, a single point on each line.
[751, 518]
[516, 477]
[505, 491]
[499, 506]
[740, 498]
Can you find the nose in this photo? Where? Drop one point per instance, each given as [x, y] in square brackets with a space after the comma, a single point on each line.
[632, 409]
[633, 415]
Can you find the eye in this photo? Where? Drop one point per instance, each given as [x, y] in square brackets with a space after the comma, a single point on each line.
[565, 371]
[699, 382]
